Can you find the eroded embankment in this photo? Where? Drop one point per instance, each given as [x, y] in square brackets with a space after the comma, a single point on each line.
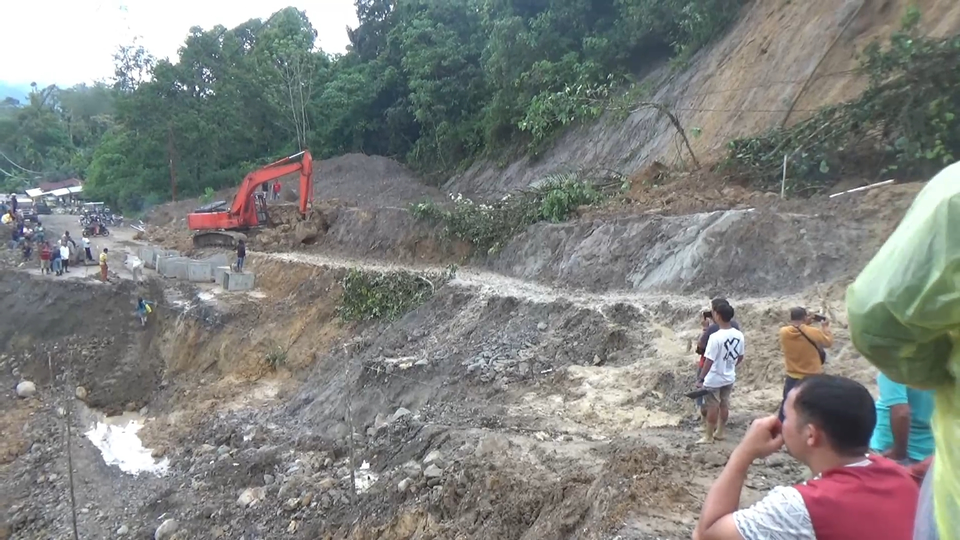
[497, 409]
[780, 248]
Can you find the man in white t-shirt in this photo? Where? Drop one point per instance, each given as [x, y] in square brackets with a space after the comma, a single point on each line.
[723, 354]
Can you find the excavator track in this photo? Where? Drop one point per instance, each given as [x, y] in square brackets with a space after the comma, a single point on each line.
[227, 239]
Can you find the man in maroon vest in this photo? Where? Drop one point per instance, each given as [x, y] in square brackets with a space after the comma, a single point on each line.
[852, 495]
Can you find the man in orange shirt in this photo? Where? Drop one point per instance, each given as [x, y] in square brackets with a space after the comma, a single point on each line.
[804, 348]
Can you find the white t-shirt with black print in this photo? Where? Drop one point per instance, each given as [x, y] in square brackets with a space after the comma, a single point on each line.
[724, 348]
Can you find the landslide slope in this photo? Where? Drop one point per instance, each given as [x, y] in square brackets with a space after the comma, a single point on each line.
[780, 61]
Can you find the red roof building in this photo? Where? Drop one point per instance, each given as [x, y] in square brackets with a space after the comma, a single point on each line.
[68, 183]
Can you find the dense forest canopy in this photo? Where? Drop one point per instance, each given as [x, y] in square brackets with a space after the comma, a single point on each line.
[434, 83]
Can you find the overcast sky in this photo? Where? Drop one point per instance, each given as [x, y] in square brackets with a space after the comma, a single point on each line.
[65, 42]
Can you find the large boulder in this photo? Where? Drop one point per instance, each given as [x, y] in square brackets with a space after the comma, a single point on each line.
[166, 530]
[26, 389]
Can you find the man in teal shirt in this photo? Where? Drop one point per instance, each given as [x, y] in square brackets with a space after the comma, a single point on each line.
[903, 422]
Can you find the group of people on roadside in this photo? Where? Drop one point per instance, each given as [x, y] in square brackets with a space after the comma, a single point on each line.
[903, 431]
[55, 258]
[879, 469]
[831, 424]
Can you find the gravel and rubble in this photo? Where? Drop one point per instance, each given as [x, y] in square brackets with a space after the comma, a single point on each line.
[500, 408]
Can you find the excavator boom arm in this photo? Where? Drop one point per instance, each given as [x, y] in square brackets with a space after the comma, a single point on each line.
[273, 171]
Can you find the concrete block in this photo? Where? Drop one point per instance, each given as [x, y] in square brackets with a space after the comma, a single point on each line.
[218, 272]
[237, 281]
[201, 272]
[148, 255]
[220, 259]
[158, 253]
[173, 267]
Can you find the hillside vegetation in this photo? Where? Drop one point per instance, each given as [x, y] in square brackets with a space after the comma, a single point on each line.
[431, 82]
[438, 85]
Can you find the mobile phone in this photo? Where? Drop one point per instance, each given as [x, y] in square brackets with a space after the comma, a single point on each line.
[819, 318]
[707, 315]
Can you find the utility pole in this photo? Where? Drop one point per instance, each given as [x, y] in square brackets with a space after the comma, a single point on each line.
[173, 174]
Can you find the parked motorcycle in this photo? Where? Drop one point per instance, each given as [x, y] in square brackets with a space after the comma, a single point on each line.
[96, 230]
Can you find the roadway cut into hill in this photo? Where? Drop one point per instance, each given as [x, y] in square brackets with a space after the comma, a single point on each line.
[768, 247]
[500, 408]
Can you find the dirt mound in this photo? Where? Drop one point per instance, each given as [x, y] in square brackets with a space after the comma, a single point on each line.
[370, 181]
[762, 246]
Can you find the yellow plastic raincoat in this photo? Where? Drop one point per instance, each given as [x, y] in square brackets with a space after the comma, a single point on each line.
[904, 315]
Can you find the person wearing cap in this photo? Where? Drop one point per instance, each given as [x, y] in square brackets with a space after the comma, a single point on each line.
[804, 348]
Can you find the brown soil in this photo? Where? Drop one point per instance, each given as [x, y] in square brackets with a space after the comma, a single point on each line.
[537, 397]
[370, 182]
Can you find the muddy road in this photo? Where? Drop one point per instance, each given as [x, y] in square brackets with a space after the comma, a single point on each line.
[521, 401]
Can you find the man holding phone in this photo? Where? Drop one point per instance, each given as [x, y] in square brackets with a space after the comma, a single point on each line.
[724, 353]
[804, 348]
[710, 327]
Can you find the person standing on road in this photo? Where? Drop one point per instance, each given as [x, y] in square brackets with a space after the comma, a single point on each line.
[65, 256]
[39, 234]
[103, 265]
[45, 255]
[55, 261]
[276, 190]
[27, 249]
[903, 422]
[69, 239]
[70, 244]
[852, 495]
[724, 353]
[86, 249]
[804, 348]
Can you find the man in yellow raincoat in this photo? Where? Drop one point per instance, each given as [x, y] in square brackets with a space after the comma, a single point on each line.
[904, 315]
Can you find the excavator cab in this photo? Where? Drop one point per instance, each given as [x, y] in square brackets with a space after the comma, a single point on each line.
[260, 207]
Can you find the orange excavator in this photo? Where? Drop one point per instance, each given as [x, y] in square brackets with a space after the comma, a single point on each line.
[216, 226]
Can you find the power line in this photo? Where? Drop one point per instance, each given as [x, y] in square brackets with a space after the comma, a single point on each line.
[18, 166]
[771, 84]
[696, 109]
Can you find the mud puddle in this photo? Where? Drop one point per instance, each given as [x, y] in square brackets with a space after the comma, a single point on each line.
[117, 440]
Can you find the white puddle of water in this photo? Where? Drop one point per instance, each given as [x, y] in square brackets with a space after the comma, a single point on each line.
[365, 478]
[120, 446]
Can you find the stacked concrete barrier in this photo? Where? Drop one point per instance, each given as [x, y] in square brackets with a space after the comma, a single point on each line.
[151, 255]
[237, 281]
[218, 272]
[171, 264]
[218, 260]
[199, 271]
[173, 267]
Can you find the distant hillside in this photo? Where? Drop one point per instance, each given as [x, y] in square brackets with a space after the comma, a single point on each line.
[14, 90]
[778, 63]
